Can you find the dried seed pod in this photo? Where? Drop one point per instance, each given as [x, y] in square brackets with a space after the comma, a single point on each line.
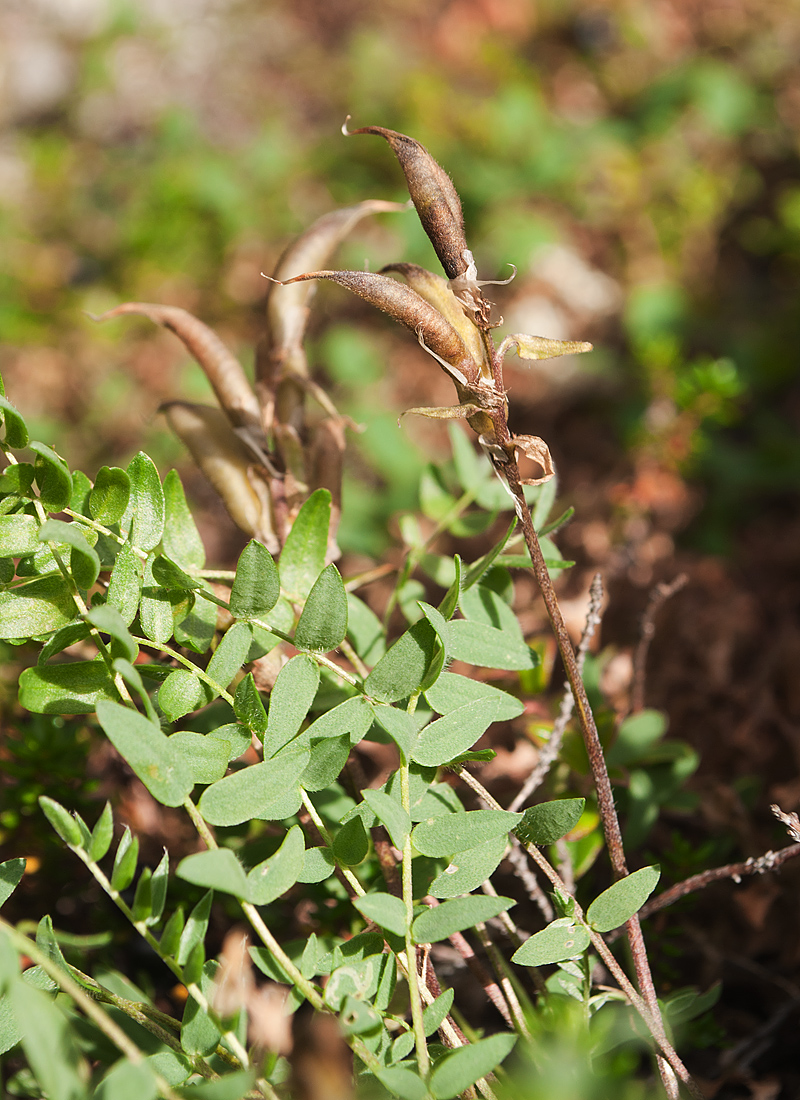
[225, 462]
[436, 290]
[287, 305]
[403, 304]
[433, 194]
[223, 370]
[536, 449]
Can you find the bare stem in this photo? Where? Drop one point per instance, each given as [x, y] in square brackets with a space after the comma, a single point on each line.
[660, 594]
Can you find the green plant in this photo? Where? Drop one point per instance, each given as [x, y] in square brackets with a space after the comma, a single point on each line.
[126, 572]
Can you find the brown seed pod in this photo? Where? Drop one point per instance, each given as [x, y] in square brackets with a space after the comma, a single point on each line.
[406, 306]
[433, 194]
[223, 369]
[223, 459]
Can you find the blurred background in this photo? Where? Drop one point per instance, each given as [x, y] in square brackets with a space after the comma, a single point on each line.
[636, 160]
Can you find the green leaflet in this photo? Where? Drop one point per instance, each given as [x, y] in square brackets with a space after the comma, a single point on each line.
[456, 916]
[146, 749]
[256, 587]
[403, 668]
[110, 495]
[562, 939]
[144, 516]
[547, 822]
[74, 688]
[272, 878]
[181, 540]
[247, 793]
[444, 835]
[455, 733]
[619, 902]
[323, 623]
[303, 555]
[36, 607]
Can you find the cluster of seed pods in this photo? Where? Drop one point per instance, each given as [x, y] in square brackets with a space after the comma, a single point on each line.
[258, 449]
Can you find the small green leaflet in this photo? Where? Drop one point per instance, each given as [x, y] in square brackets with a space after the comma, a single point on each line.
[144, 516]
[256, 587]
[402, 669]
[181, 540]
[619, 902]
[456, 916]
[247, 793]
[386, 910]
[76, 687]
[323, 623]
[467, 870]
[148, 751]
[442, 836]
[562, 939]
[272, 878]
[459, 1069]
[110, 495]
[303, 555]
[448, 737]
[488, 647]
[547, 822]
[84, 560]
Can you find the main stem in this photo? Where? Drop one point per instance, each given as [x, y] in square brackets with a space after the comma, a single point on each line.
[594, 749]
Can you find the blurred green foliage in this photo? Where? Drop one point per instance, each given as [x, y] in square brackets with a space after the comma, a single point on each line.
[659, 143]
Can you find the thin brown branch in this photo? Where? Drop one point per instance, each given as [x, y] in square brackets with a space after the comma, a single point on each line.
[660, 594]
[553, 746]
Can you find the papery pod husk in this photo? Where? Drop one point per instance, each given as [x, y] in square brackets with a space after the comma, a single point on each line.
[223, 459]
[436, 290]
[542, 347]
[287, 305]
[406, 306]
[222, 368]
[434, 196]
[536, 449]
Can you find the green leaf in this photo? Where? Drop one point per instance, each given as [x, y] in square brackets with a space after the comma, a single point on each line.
[206, 758]
[16, 435]
[52, 477]
[456, 916]
[562, 939]
[171, 576]
[402, 670]
[181, 540]
[328, 758]
[62, 821]
[84, 560]
[247, 793]
[108, 620]
[235, 736]
[159, 886]
[487, 647]
[19, 535]
[323, 623]
[196, 927]
[353, 717]
[319, 864]
[125, 861]
[386, 910]
[547, 822]
[452, 691]
[125, 586]
[171, 936]
[181, 693]
[619, 902]
[444, 835]
[102, 834]
[448, 737]
[155, 609]
[74, 688]
[351, 843]
[482, 565]
[303, 555]
[289, 702]
[36, 607]
[230, 654]
[272, 878]
[144, 516]
[357, 1017]
[402, 1083]
[467, 870]
[48, 1042]
[11, 872]
[196, 629]
[127, 1081]
[434, 1013]
[142, 907]
[400, 727]
[143, 745]
[461, 1068]
[637, 734]
[217, 869]
[198, 1034]
[110, 495]
[247, 706]
[390, 814]
[256, 586]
